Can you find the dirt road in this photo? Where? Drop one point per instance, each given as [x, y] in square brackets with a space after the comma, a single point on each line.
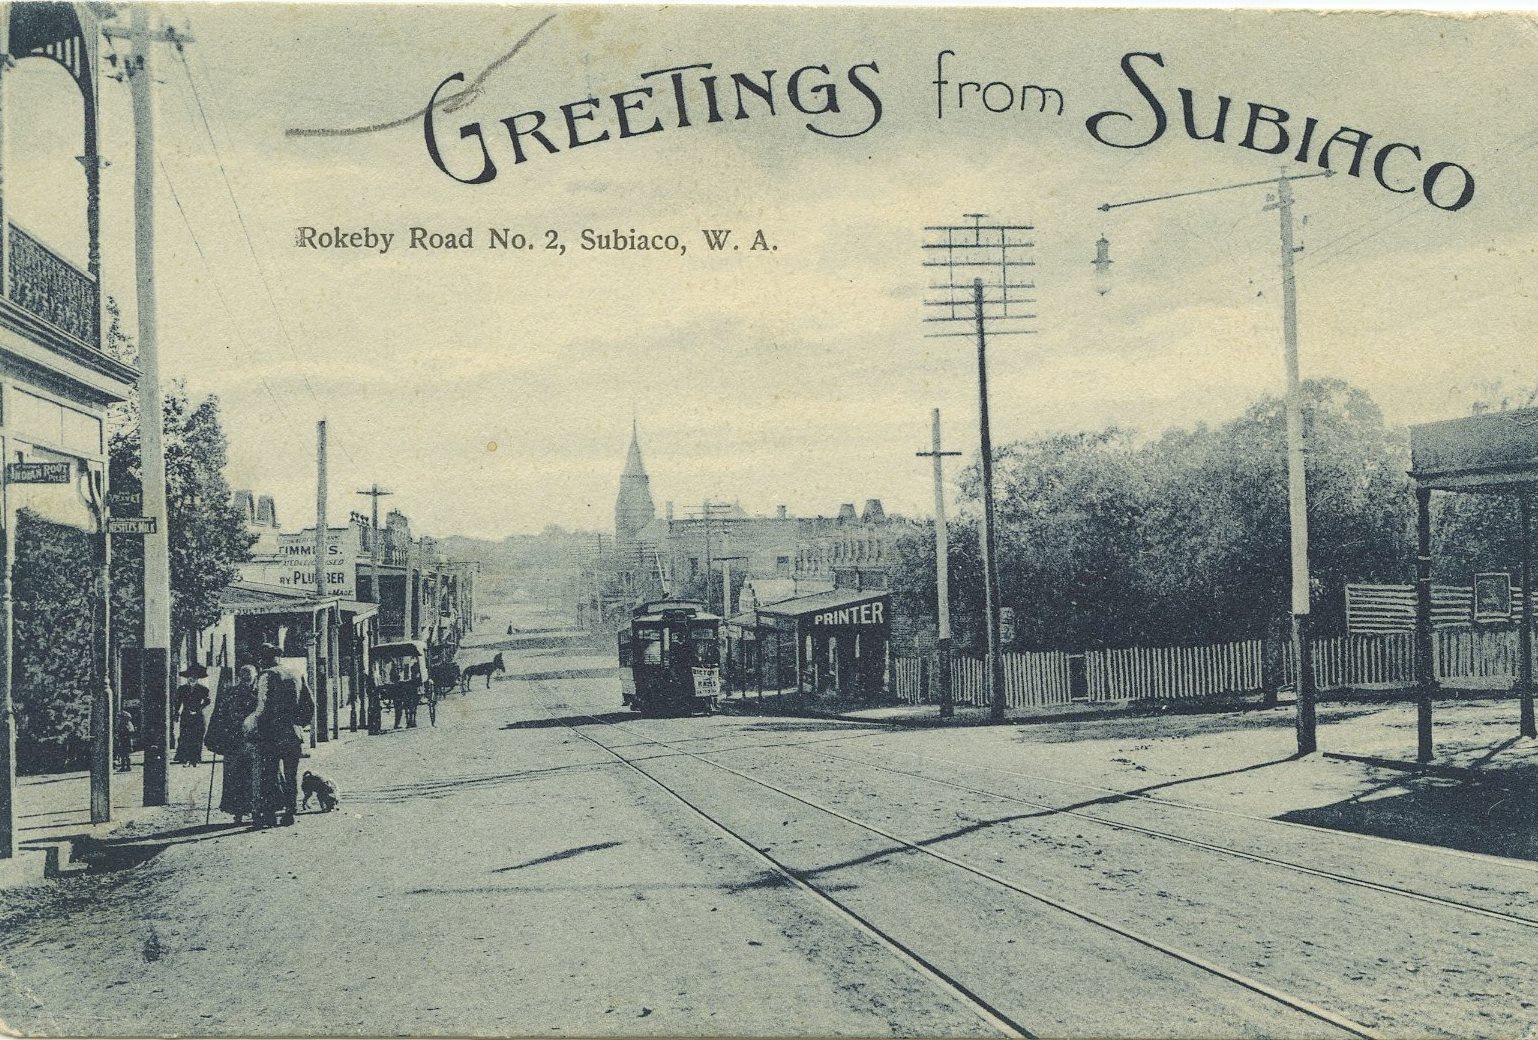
[540, 862]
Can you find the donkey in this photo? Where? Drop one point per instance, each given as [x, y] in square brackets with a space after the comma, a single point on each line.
[484, 668]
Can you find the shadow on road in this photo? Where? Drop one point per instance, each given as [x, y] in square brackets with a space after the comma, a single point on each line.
[556, 857]
[131, 850]
[564, 721]
[567, 673]
[977, 826]
[454, 785]
[1147, 726]
[1495, 817]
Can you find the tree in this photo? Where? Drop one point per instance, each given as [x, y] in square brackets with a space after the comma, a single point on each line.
[1106, 541]
[208, 535]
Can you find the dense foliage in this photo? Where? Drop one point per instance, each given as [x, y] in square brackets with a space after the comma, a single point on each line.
[56, 584]
[1106, 540]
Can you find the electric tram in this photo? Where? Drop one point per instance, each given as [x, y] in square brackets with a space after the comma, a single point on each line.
[670, 659]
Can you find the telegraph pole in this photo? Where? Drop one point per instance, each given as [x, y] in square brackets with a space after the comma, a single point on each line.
[726, 613]
[157, 555]
[322, 632]
[1297, 493]
[1297, 486]
[942, 568]
[374, 493]
[977, 249]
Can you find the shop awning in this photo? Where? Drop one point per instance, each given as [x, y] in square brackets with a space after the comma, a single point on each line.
[244, 598]
[821, 603]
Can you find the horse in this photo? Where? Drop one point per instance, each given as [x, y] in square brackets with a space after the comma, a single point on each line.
[484, 668]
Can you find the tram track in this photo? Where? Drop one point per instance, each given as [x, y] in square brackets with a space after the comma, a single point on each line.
[993, 1017]
[1120, 794]
[958, 990]
[1197, 843]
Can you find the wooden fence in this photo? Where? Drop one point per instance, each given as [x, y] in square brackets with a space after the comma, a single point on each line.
[1477, 657]
[1030, 679]
[1460, 655]
[1385, 661]
[1140, 672]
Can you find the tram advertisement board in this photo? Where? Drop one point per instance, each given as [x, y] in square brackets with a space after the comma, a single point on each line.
[707, 682]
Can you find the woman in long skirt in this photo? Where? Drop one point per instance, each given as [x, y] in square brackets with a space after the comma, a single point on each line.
[226, 737]
[191, 700]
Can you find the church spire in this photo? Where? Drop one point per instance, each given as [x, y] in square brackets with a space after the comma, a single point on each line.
[633, 506]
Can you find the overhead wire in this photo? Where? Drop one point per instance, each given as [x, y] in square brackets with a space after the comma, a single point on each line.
[245, 231]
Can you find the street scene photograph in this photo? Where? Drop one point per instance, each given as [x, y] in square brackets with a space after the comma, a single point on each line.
[767, 521]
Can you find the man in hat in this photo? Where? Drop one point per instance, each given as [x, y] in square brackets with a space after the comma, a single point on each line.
[284, 707]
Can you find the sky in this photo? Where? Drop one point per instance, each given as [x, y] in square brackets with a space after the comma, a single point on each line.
[494, 392]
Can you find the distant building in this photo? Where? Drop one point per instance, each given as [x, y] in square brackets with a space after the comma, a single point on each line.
[420, 594]
[633, 506]
[261, 515]
[851, 551]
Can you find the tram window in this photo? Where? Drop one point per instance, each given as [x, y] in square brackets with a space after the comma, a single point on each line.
[702, 641]
[651, 645]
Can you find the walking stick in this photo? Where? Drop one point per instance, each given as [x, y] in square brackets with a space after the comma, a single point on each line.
[209, 814]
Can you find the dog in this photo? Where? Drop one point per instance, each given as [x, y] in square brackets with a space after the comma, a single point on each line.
[319, 788]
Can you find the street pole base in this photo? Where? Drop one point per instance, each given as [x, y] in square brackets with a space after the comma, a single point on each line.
[1423, 742]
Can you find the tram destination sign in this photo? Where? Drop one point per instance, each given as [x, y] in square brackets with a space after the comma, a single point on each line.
[131, 525]
[37, 472]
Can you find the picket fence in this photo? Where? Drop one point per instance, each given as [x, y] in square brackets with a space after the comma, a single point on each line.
[1139, 672]
[1030, 679]
[1387, 661]
[1374, 661]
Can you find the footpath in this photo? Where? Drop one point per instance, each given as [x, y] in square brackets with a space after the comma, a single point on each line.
[53, 812]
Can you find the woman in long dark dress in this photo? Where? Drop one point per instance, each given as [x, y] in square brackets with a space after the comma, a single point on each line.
[191, 700]
[226, 737]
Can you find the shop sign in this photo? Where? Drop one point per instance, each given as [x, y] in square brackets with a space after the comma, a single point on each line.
[38, 472]
[131, 525]
[873, 613]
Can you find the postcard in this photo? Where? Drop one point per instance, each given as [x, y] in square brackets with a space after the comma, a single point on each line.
[612, 521]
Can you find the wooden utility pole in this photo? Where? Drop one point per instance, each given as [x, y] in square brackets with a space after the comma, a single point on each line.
[157, 558]
[372, 707]
[318, 731]
[990, 541]
[726, 613]
[1297, 492]
[1425, 651]
[102, 715]
[1529, 726]
[374, 494]
[997, 250]
[1297, 486]
[942, 569]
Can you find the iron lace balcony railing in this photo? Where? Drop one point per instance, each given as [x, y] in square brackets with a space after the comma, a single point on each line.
[49, 287]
